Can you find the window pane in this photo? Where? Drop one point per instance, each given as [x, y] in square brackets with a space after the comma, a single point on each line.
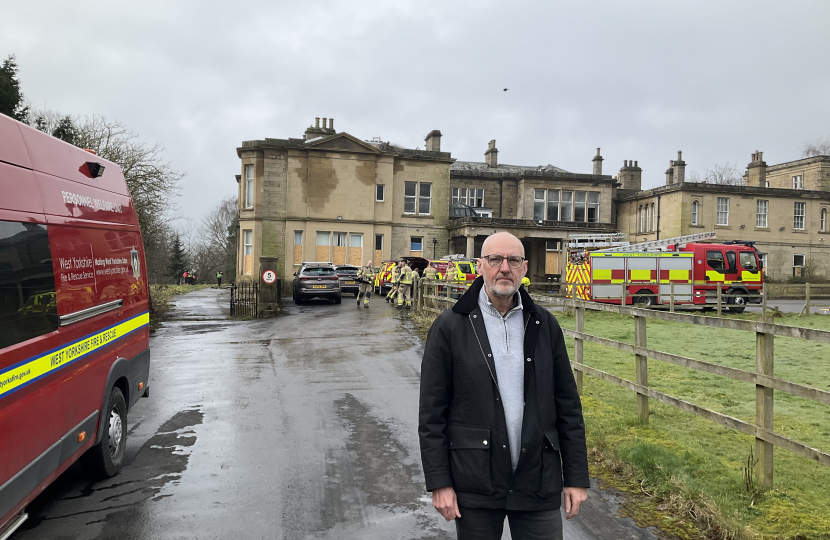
[538, 194]
[695, 208]
[28, 305]
[798, 260]
[567, 206]
[424, 200]
[553, 204]
[454, 195]
[323, 238]
[249, 193]
[248, 242]
[340, 239]
[552, 245]
[426, 190]
[249, 171]
[715, 260]
[538, 210]
[416, 243]
[762, 208]
[423, 206]
[298, 238]
[798, 221]
[409, 205]
[730, 258]
[579, 205]
[356, 240]
[409, 189]
[723, 211]
[379, 192]
[748, 261]
[378, 242]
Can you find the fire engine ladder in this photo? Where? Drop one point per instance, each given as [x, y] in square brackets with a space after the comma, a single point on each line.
[646, 246]
[595, 240]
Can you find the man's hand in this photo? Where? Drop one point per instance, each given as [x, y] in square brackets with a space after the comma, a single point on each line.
[443, 499]
[574, 497]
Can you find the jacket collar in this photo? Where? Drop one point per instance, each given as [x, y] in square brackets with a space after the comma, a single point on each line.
[469, 301]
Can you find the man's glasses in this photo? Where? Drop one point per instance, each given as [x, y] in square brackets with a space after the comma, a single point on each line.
[496, 260]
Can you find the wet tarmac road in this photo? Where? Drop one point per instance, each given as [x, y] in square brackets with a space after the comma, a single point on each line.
[303, 426]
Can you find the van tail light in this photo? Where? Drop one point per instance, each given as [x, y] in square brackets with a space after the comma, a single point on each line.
[141, 386]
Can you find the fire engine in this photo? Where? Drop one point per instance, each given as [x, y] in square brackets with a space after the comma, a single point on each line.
[695, 267]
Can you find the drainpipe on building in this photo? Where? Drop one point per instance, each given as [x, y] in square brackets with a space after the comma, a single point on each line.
[501, 194]
[658, 217]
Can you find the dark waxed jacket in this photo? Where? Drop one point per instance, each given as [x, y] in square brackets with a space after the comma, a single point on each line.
[462, 427]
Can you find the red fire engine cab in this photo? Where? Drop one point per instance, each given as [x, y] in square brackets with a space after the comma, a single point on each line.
[647, 272]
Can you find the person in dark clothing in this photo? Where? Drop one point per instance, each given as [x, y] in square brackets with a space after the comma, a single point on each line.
[500, 421]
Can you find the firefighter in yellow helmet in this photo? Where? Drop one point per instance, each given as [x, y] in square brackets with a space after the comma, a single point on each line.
[405, 287]
[366, 276]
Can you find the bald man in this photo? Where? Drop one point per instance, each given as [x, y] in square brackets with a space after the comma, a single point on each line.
[500, 420]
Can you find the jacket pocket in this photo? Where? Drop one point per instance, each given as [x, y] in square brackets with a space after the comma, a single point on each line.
[551, 465]
[470, 458]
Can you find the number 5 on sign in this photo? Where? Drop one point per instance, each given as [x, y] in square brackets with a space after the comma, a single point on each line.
[269, 276]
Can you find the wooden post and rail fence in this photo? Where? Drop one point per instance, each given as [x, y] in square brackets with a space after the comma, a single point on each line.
[435, 296]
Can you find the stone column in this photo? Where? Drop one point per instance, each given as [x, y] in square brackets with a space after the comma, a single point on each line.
[471, 246]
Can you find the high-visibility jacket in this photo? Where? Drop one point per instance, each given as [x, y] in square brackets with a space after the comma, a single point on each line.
[396, 274]
[366, 273]
[406, 276]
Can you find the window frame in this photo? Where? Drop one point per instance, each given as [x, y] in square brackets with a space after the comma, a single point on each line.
[563, 204]
[378, 236]
[762, 224]
[595, 206]
[412, 243]
[724, 213]
[580, 205]
[796, 215]
[539, 204]
[798, 181]
[421, 198]
[380, 192]
[823, 220]
[695, 212]
[248, 187]
[417, 199]
[803, 260]
[551, 204]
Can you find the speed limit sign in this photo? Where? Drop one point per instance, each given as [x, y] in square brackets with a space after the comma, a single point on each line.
[269, 276]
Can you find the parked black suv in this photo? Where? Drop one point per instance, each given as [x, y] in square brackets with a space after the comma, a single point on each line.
[348, 278]
[316, 280]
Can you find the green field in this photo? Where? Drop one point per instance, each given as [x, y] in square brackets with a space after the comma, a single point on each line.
[682, 468]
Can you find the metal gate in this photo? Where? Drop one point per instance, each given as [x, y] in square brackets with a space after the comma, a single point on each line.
[244, 300]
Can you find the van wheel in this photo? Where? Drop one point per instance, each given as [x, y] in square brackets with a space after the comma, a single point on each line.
[737, 304]
[105, 459]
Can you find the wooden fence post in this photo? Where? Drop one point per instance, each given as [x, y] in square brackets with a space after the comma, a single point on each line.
[764, 302]
[671, 297]
[641, 366]
[579, 326]
[807, 298]
[720, 294]
[764, 364]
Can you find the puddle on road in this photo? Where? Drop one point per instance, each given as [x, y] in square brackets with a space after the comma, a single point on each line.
[200, 328]
[117, 503]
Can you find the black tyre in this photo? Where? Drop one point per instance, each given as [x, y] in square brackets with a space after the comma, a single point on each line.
[646, 301]
[105, 459]
[737, 304]
[337, 299]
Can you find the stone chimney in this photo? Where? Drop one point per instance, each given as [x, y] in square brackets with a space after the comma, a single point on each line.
[491, 156]
[679, 166]
[312, 132]
[597, 163]
[756, 171]
[433, 141]
[631, 176]
[670, 173]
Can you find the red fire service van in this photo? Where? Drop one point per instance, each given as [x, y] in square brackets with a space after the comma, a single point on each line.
[694, 269]
[74, 320]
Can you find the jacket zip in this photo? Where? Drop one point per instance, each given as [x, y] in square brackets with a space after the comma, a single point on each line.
[483, 355]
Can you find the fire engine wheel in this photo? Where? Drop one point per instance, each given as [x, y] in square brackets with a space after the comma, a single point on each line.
[646, 301]
[737, 304]
[105, 459]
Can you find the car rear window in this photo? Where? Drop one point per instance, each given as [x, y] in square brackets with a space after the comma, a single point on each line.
[347, 270]
[319, 272]
[28, 306]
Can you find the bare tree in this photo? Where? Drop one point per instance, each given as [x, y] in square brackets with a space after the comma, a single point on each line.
[819, 147]
[210, 246]
[725, 174]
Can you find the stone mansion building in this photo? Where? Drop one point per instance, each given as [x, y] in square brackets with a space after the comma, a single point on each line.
[331, 196]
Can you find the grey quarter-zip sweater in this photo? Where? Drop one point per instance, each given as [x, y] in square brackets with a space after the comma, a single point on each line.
[506, 335]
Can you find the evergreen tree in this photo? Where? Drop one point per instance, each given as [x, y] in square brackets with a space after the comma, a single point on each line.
[65, 130]
[178, 260]
[11, 99]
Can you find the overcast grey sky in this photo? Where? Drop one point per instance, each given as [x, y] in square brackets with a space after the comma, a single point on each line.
[641, 79]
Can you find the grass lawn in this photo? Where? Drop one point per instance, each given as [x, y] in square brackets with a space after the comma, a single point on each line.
[682, 466]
